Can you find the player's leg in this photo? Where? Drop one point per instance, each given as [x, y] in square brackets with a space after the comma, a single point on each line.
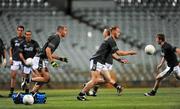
[43, 78]
[95, 90]
[94, 80]
[107, 76]
[159, 78]
[96, 68]
[26, 80]
[14, 69]
[42, 73]
[101, 81]
[96, 87]
[37, 86]
[177, 72]
[40, 64]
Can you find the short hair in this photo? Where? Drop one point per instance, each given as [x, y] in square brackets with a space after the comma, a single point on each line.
[28, 31]
[114, 28]
[61, 27]
[108, 31]
[161, 36]
[20, 26]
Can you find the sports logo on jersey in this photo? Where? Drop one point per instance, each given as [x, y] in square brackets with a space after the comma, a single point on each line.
[28, 49]
[17, 44]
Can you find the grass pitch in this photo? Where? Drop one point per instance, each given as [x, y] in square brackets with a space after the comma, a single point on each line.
[132, 98]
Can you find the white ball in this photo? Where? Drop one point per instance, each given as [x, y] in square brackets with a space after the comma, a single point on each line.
[28, 99]
[90, 92]
[29, 61]
[150, 49]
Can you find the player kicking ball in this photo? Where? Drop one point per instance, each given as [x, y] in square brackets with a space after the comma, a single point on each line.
[97, 63]
[168, 55]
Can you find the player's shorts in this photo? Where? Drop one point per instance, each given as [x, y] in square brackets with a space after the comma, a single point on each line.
[170, 70]
[94, 65]
[107, 66]
[39, 63]
[27, 70]
[17, 65]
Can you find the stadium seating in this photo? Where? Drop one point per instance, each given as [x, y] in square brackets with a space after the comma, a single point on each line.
[136, 23]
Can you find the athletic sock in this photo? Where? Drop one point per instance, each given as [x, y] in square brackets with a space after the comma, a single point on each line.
[26, 90]
[116, 85]
[81, 94]
[32, 92]
[11, 90]
[153, 92]
[95, 89]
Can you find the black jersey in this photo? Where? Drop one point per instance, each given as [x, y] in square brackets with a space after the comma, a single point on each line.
[1, 48]
[168, 52]
[105, 51]
[109, 59]
[15, 43]
[29, 49]
[52, 42]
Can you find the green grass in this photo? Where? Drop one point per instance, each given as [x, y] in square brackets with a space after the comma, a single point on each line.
[167, 98]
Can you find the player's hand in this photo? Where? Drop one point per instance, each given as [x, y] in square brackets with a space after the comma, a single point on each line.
[4, 62]
[132, 52]
[54, 64]
[124, 61]
[63, 59]
[11, 61]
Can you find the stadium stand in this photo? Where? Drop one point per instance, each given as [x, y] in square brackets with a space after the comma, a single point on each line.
[139, 23]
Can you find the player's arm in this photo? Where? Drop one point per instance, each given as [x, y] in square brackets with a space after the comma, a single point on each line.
[50, 57]
[125, 53]
[117, 58]
[178, 51]
[21, 54]
[59, 58]
[37, 47]
[4, 53]
[49, 54]
[161, 63]
[22, 57]
[115, 49]
[10, 52]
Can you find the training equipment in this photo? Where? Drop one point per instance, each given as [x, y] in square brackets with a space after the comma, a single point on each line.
[29, 61]
[28, 100]
[39, 98]
[150, 49]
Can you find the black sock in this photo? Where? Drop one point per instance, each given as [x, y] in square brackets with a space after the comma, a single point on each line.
[153, 91]
[116, 85]
[27, 80]
[11, 90]
[95, 89]
[26, 90]
[32, 92]
[81, 94]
